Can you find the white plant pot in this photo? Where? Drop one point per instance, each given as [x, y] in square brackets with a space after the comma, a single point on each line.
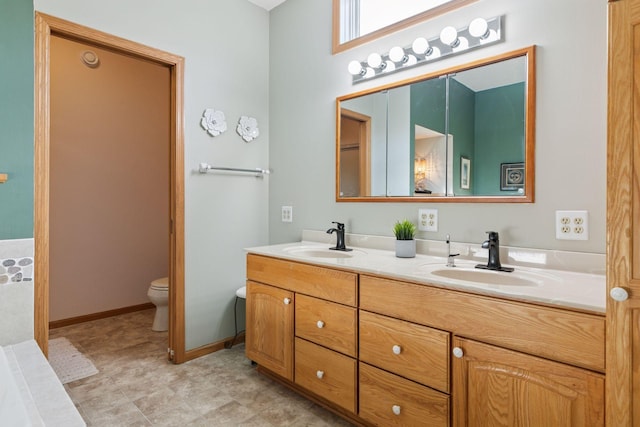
[405, 248]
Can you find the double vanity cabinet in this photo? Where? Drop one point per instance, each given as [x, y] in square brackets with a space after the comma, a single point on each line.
[383, 351]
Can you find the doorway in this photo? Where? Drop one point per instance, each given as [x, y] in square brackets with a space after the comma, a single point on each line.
[355, 160]
[46, 27]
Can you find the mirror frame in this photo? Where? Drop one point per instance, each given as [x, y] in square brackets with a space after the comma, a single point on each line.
[338, 47]
[529, 151]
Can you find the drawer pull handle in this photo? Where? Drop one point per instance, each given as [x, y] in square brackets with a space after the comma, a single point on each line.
[287, 301]
[396, 409]
[619, 294]
[397, 349]
[320, 374]
[320, 324]
[457, 352]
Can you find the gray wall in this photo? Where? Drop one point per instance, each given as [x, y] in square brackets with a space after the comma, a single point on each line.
[225, 46]
[305, 79]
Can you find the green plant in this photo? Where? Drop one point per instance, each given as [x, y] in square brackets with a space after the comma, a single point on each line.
[404, 230]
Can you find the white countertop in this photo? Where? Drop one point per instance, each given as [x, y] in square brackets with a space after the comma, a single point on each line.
[566, 289]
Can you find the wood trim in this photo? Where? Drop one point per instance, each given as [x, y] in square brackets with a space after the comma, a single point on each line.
[45, 26]
[529, 196]
[212, 348]
[101, 315]
[338, 47]
[620, 211]
[41, 184]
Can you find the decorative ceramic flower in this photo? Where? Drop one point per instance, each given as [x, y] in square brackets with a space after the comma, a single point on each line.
[213, 122]
[248, 128]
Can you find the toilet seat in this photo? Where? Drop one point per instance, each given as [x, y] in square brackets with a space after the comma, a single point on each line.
[160, 284]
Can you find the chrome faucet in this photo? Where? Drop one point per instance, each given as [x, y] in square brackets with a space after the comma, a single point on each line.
[340, 246]
[450, 257]
[493, 244]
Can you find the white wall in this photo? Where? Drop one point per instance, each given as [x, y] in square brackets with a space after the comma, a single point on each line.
[226, 47]
[305, 79]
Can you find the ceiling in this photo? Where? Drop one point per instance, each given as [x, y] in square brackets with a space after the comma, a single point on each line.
[267, 4]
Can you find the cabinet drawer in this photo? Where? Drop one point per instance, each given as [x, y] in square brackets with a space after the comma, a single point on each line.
[553, 333]
[414, 351]
[325, 283]
[326, 373]
[386, 400]
[327, 323]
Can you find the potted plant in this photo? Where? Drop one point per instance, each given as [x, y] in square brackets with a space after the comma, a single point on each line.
[405, 231]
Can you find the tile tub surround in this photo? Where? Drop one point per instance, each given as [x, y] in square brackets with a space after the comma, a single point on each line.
[565, 281]
[16, 290]
[16, 261]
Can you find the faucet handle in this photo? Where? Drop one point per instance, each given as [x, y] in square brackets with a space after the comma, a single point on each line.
[493, 235]
[338, 224]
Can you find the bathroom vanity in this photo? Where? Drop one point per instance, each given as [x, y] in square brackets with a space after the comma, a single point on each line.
[383, 341]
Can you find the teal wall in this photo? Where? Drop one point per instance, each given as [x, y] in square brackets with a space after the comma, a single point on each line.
[487, 128]
[16, 118]
[427, 100]
[499, 130]
[462, 120]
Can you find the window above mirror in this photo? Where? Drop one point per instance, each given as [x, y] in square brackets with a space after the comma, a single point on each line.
[359, 21]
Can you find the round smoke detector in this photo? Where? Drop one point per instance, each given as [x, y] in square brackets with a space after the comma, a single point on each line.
[90, 59]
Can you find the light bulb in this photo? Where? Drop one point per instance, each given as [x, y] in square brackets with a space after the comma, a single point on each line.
[391, 66]
[374, 60]
[449, 36]
[435, 53]
[355, 68]
[369, 73]
[462, 44]
[396, 54]
[420, 45]
[411, 60]
[479, 28]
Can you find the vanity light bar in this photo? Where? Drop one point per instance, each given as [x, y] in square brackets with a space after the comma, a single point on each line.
[451, 41]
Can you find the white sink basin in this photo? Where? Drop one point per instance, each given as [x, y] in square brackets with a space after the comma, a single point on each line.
[487, 277]
[315, 252]
[521, 277]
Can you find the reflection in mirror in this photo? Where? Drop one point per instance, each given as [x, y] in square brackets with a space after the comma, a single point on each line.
[465, 134]
[359, 21]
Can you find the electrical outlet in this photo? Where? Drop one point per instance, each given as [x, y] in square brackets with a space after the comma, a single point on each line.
[572, 225]
[287, 214]
[428, 219]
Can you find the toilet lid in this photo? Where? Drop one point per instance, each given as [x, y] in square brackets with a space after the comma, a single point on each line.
[161, 284]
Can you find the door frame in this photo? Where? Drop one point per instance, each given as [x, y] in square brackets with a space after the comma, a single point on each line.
[45, 27]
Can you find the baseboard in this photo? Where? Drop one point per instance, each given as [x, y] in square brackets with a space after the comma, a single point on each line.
[102, 315]
[212, 348]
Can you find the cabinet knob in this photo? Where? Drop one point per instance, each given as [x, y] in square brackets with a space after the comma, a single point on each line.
[320, 324]
[457, 352]
[287, 301]
[396, 409]
[619, 294]
[396, 349]
[320, 374]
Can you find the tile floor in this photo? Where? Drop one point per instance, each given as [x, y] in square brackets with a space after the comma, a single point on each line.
[137, 386]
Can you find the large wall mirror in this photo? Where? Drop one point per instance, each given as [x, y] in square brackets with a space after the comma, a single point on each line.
[359, 21]
[465, 134]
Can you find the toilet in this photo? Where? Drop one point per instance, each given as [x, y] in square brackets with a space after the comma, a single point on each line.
[159, 295]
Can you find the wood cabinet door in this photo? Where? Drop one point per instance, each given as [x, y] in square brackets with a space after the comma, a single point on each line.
[269, 328]
[498, 387]
[623, 215]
